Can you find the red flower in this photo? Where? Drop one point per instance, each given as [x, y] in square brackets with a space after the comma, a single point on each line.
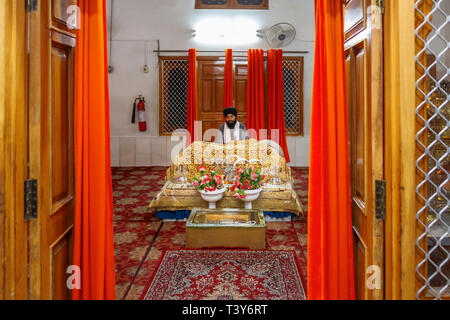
[233, 188]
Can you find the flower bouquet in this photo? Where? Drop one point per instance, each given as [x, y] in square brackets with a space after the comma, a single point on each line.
[210, 186]
[248, 185]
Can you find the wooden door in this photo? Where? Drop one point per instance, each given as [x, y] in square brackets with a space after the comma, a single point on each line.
[13, 150]
[211, 71]
[364, 71]
[51, 149]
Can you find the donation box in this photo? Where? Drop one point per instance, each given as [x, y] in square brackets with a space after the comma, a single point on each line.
[226, 228]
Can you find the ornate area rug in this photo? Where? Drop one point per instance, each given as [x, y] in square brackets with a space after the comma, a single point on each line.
[226, 275]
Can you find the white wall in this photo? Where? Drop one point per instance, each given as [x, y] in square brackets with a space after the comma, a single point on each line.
[137, 24]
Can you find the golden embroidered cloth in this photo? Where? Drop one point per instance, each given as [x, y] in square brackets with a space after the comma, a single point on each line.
[204, 154]
[274, 198]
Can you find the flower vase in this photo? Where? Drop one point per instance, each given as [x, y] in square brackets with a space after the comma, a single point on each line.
[251, 195]
[212, 197]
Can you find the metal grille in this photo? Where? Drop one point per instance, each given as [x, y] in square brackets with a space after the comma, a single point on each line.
[293, 96]
[174, 95]
[433, 144]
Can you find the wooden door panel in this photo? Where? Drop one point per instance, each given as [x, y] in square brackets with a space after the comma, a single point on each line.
[219, 87]
[59, 10]
[211, 73]
[361, 259]
[206, 97]
[240, 96]
[354, 17]
[61, 220]
[358, 109]
[61, 257]
[354, 13]
[365, 108]
[52, 163]
[60, 126]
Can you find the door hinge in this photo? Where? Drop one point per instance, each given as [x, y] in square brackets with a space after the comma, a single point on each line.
[31, 202]
[31, 5]
[380, 200]
[380, 4]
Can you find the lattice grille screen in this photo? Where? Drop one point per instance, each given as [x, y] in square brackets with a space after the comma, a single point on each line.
[293, 96]
[173, 95]
[433, 144]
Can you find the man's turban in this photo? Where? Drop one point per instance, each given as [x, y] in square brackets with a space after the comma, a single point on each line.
[228, 111]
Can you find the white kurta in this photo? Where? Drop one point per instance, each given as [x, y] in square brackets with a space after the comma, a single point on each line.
[231, 134]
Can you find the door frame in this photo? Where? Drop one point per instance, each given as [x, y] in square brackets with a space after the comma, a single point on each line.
[400, 141]
[13, 150]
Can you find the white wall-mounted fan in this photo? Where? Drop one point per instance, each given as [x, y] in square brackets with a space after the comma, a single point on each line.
[279, 35]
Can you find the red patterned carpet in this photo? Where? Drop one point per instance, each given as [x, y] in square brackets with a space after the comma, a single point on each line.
[137, 252]
[226, 275]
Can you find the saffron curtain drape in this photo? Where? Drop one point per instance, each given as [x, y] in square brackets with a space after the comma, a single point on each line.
[275, 88]
[255, 94]
[192, 99]
[330, 244]
[94, 239]
[228, 80]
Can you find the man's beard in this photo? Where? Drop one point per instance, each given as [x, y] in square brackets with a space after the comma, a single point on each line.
[232, 125]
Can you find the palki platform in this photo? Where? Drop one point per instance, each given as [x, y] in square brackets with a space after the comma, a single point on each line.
[226, 228]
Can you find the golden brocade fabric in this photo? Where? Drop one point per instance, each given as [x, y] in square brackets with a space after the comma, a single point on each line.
[273, 198]
[203, 154]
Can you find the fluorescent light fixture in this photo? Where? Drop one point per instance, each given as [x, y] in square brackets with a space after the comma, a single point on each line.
[219, 31]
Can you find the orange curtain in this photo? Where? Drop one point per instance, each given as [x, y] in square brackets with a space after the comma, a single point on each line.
[330, 244]
[94, 240]
[276, 99]
[228, 83]
[192, 98]
[255, 93]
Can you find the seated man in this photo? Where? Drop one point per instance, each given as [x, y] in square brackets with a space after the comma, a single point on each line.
[232, 129]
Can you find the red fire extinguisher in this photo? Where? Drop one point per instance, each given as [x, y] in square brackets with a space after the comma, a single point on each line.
[139, 104]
